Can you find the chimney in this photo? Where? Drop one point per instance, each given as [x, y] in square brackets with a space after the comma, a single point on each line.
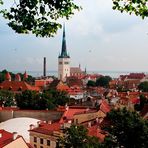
[44, 67]
[89, 124]
[97, 119]
[38, 123]
[14, 135]
[79, 66]
[66, 107]
[31, 126]
[49, 122]
[1, 135]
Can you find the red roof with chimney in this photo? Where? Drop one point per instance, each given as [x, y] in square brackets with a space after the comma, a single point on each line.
[70, 112]
[47, 129]
[5, 138]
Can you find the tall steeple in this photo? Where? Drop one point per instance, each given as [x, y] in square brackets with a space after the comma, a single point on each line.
[63, 60]
[64, 50]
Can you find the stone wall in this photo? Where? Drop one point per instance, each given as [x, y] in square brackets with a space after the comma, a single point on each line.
[41, 115]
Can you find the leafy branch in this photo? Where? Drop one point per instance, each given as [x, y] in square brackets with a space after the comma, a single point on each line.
[39, 17]
[137, 7]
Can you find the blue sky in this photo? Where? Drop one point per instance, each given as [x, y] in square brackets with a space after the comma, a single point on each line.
[98, 38]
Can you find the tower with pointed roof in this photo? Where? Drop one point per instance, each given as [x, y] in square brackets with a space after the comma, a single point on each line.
[8, 76]
[63, 60]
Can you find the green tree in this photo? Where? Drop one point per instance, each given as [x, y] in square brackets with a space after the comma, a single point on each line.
[137, 7]
[40, 17]
[126, 129]
[1, 2]
[103, 81]
[143, 86]
[58, 97]
[40, 101]
[26, 100]
[76, 137]
[143, 101]
[91, 83]
[7, 98]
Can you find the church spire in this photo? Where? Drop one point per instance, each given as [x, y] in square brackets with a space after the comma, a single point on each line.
[64, 50]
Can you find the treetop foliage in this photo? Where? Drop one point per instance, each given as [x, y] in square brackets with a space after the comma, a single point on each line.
[103, 81]
[77, 137]
[39, 17]
[127, 129]
[6, 98]
[137, 7]
[49, 99]
[1, 2]
[143, 86]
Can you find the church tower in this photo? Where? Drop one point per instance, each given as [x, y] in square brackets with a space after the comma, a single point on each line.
[63, 60]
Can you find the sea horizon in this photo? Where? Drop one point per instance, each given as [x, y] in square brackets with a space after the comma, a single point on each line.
[113, 74]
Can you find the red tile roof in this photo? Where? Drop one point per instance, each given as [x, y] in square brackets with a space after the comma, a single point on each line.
[135, 100]
[72, 81]
[75, 70]
[17, 86]
[136, 76]
[47, 129]
[42, 82]
[70, 112]
[5, 138]
[104, 107]
[63, 87]
[95, 131]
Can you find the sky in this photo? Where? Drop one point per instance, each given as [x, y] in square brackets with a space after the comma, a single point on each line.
[98, 38]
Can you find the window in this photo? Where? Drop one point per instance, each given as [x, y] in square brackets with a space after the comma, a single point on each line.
[41, 146]
[35, 139]
[48, 142]
[60, 63]
[66, 62]
[41, 141]
[35, 146]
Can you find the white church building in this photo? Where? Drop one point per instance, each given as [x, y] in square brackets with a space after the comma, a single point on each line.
[64, 69]
[63, 60]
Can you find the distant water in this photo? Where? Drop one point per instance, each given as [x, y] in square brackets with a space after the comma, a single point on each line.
[113, 74]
